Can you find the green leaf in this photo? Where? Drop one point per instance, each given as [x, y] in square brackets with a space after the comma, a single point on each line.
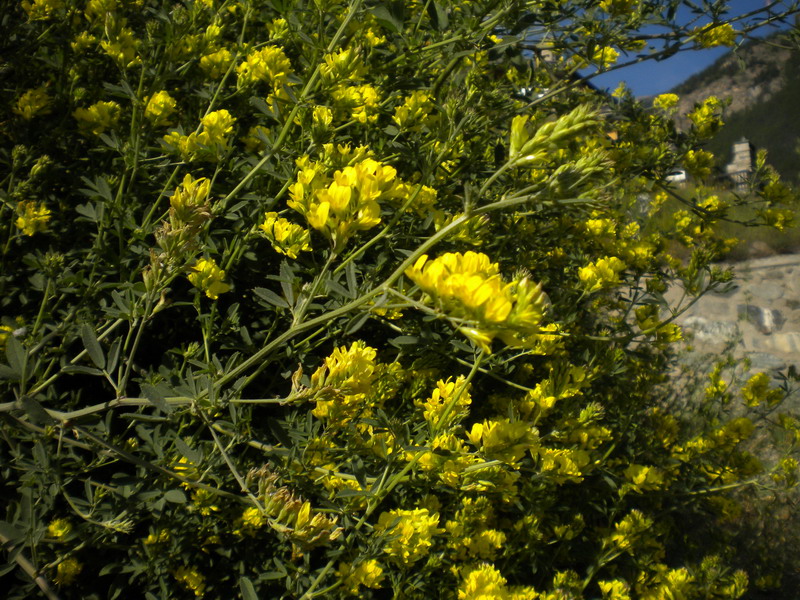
[192, 455]
[352, 282]
[16, 355]
[248, 590]
[389, 15]
[11, 532]
[438, 16]
[175, 496]
[113, 355]
[287, 281]
[155, 398]
[270, 297]
[92, 346]
[36, 411]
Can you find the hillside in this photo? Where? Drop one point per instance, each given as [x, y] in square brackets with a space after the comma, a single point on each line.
[762, 81]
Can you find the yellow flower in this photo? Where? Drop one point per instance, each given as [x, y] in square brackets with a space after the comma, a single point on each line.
[415, 110]
[605, 56]
[5, 331]
[217, 126]
[444, 399]
[666, 102]
[121, 47]
[59, 528]
[278, 29]
[699, 163]
[67, 570]
[347, 203]
[32, 103]
[468, 288]
[410, 533]
[208, 277]
[368, 573]
[286, 237]
[41, 10]
[159, 108]
[618, 7]
[343, 65]
[189, 197]
[504, 440]
[216, 63]
[191, 579]
[269, 64]
[705, 117]
[98, 117]
[483, 582]
[360, 101]
[715, 35]
[601, 274]
[32, 217]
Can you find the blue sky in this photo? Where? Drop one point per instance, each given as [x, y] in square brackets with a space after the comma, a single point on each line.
[655, 77]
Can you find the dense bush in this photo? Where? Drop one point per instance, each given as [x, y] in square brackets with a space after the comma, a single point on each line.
[317, 299]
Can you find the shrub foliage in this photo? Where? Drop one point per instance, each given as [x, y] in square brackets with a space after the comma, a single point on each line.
[321, 299]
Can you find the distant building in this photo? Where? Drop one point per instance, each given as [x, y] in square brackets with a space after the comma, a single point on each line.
[740, 168]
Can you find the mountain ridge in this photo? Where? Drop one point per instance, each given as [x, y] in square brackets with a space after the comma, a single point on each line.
[761, 79]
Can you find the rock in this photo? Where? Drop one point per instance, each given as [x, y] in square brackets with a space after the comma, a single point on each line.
[761, 361]
[768, 291]
[759, 249]
[786, 343]
[712, 332]
[766, 320]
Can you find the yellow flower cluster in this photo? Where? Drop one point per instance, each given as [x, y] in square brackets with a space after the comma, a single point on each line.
[409, 533]
[286, 237]
[268, 65]
[605, 56]
[666, 102]
[346, 64]
[630, 530]
[705, 117]
[41, 10]
[121, 47]
[602, 273]
[344, 204]
[618, 7]
[293, 516]
[208, 144]
[643, 478]
[189, 199]
[699, 163]
[712, 35]
[647, 319]
[485, 582]
[59, 528]
[159, 108]
[214, 64]
[98, 117]
[451, 399]
[757, 391]
[360, 102]
[32, 103]
[32, 217]
[415, 112]
[367, 573]
[469, 289]
[344, 380]
[67, 570]
[191, 579]
[471, 531]
[208, 277]
[504, 440]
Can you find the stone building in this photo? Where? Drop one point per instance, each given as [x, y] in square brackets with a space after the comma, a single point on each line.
[741, 166]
